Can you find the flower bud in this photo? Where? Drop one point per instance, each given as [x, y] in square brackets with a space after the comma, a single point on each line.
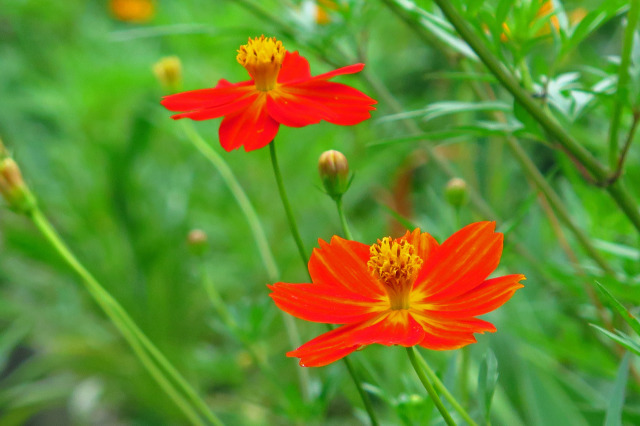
[456, 192]
[135, 11]
[197, 241]
[168, 71]
[334, 172]
[12, 186]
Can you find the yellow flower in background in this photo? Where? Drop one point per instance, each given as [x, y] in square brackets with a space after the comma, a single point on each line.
[168, 71]
[137, 11]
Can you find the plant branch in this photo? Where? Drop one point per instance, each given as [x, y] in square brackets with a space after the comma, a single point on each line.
[620, 195]
[623, 81]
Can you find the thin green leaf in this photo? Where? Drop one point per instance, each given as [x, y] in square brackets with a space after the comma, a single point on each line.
[614, 412]
[487, 381]
[620, 338]
[624, 313]
[440, 109]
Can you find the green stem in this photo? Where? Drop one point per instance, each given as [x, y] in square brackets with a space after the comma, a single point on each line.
[296, 235]
[149, 355]
[620, 195]
[343, 220]
[352, 372]
[440, 387]
[427, 385]
[623, 81]
[293, 226]
[257, 231]
[464, 375]
[241, 198]
[363, 394]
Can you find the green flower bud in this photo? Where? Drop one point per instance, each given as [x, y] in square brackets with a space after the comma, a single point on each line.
[334, 172]
[456, 192]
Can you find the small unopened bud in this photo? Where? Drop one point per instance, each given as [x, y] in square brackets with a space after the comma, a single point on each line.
[334, 172]
[197, 241]
[13, 188]
[168, 71]
[456, 192]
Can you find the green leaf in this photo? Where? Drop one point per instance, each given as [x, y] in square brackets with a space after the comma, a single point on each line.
[620, 338]
[530, 124]
[487, 381]
[616, 249]
[440, 109]
[624, 313]
[614, 412]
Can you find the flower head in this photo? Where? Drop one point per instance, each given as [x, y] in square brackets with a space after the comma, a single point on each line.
[281, 91]
[137, 11]
[405, 291]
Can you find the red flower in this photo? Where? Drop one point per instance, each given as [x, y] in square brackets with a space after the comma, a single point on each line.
[408, 291]
[282, 91]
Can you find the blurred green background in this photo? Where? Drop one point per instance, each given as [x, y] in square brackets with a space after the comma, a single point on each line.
[80, 112]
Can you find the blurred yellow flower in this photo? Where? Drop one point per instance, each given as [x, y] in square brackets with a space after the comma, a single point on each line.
[137, 11]
[168, 71]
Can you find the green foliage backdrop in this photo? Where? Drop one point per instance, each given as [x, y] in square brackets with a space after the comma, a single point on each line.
[122, 183]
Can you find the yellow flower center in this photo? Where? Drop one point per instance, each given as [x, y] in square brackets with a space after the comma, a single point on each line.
[396, 265]
[262, 57]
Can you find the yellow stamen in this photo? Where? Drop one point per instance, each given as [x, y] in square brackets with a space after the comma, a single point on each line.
[262, 57]
[396, 265]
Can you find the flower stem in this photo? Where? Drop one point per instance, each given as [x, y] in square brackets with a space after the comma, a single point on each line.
[287, 206]
[343, 220]
[151, 357]
[440, 387]
[363, 394]
[575, 149]
[623, 81]
[241, 198]
[429, 388]
[352, 372]
[256, 229]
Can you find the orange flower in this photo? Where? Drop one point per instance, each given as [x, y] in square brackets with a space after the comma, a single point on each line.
[405, 291]
[132, 10]
[281, 91]
[322, 11]
[546, 10]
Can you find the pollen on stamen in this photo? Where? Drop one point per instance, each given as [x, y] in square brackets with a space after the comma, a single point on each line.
[262, 57]
[395, 263]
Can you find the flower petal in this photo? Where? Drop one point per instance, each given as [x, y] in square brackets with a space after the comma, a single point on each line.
[350, 69]
[309, 102]
[443, 333]
[423, 242]
[224, 93]
[294, 68]
[323, 303]
[461, 263]
[251, 128]
[486, 297]
[390, 328]
[342, 264]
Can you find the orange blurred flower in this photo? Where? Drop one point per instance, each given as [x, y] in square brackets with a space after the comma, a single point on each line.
[281, 91]
[137, 11]
[546, 10]
[405, 291]
[322, 11]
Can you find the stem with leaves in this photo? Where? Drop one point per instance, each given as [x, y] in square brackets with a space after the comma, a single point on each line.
[600, 173]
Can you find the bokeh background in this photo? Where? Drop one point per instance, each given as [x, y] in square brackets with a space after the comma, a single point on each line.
[118, 178]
